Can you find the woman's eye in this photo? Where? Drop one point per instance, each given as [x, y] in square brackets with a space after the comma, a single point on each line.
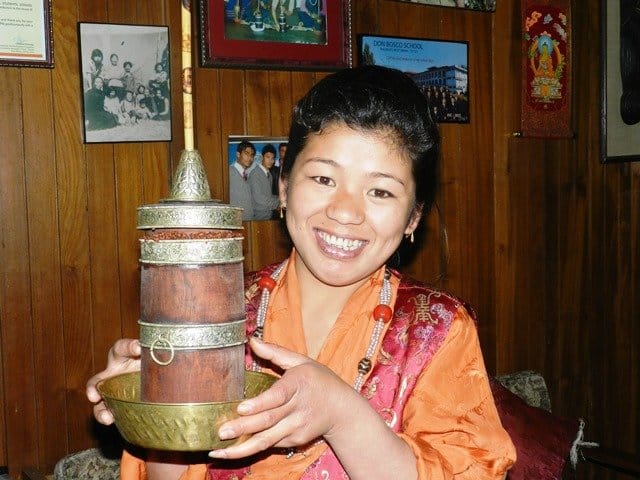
[381, 193]
[323, 180]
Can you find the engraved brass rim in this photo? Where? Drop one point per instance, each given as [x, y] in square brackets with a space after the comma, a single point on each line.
[174, 337]
[187, 427]
[191, 251]
[190, 215]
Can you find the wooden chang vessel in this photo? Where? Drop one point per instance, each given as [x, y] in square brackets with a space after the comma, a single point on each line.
[192, 320]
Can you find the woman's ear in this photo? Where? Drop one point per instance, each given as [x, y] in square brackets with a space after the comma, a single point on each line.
[414, 219]
[282, 191]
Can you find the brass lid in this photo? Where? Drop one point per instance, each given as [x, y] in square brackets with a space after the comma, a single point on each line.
[189, 204]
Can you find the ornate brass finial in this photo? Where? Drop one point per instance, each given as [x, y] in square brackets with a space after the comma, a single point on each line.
[189, 180]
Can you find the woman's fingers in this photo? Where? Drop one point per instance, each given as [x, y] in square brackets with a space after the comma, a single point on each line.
[102, 414]
[261, 440]
[125, 348]
[279, 394]
[252, 423]
[277, 355]
[123, 357]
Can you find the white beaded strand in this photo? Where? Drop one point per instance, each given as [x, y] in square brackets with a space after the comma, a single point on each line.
[364, 366]
[262, 310]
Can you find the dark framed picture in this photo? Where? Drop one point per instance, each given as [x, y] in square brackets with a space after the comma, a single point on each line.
[480, 5]
[254, 167]
[620, 129]
[276, 34]
[124, 72]
[439, 68]
[26, 38]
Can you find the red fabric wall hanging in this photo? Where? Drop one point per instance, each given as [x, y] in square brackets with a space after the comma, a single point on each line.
[546, 69]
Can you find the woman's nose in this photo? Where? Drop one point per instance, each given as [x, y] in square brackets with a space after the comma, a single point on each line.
[346, 207]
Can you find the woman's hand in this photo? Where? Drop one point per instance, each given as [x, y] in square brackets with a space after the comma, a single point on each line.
[308, 402]
[124, 357]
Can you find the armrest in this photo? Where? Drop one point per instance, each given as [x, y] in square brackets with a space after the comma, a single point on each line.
[612, 459]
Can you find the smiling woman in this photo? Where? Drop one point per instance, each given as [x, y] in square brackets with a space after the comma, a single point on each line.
[350, 198]
[365, 356]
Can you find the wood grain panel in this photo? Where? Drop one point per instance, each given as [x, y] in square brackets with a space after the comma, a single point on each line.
[128, 168]
[173, 19]
[301, 83]
[73, 223]
[44, 254]
[268, 243]
[209, 141]
[280, 103]
[20, 407]
[506, 121]
[8, 130]
[258, 118]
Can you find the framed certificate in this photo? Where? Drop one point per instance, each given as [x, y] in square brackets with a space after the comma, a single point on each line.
[26, 38]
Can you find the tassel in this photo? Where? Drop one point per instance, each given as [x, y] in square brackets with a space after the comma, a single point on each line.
[579, 443]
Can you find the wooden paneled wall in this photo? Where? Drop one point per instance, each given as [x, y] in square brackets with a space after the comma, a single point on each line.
[541, 238]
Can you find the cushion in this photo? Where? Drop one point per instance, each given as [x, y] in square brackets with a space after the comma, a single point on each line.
[542, 440]
[91, 464]
[529, 386]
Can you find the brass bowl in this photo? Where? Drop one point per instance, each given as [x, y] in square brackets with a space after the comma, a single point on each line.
[188, 427]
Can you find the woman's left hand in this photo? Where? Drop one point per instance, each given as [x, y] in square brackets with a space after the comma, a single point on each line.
[308, 402]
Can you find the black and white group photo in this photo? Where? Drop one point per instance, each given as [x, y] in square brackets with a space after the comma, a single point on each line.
[125, 82]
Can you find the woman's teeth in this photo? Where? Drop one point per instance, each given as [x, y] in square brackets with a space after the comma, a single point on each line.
[342, 243]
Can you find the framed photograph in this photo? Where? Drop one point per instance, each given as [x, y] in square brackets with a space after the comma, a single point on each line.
[480, 5]
[254, 168]
[439, 68]
[620, 129]
[26, 38]
[276, 34]
[124, 74]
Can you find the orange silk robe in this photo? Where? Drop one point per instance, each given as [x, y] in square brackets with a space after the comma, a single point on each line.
[450, 421]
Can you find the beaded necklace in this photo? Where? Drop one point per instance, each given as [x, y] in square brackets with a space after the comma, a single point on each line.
[382, 314]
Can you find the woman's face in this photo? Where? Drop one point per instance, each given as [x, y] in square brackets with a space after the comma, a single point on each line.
[350, 199]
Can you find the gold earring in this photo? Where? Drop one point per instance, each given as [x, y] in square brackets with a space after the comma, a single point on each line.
[282, 209]
[409, 236]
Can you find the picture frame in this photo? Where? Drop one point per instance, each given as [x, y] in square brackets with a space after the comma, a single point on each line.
[478, 5]
[26, 34]
[263, 203]
[620, 119]
[125, 82]
[439, 68]
[289, 37]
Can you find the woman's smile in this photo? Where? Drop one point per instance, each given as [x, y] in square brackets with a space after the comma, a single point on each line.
[339, 247]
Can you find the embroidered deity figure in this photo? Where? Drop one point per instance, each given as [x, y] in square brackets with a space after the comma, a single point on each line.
[545, 86]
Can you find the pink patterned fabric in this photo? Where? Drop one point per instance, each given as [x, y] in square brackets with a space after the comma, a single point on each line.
[420, 324]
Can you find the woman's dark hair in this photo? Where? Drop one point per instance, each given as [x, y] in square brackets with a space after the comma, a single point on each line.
[372, 98]
[96, 52]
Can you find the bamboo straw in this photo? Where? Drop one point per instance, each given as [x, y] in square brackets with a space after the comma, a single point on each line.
[187, 97]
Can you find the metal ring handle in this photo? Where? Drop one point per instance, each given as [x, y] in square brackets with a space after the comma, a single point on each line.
[164, 344]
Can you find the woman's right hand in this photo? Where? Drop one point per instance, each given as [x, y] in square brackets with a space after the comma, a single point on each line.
[124, 357]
